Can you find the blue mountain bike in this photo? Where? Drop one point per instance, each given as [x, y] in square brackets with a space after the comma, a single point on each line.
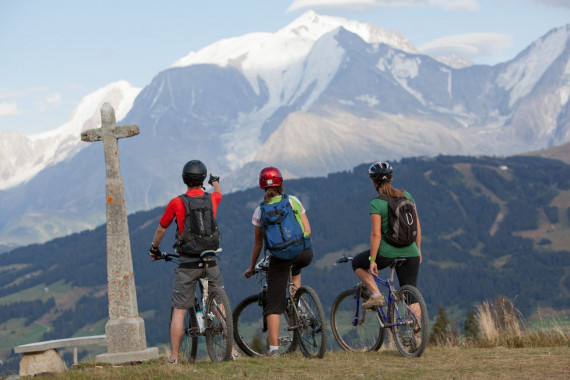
[360, 330]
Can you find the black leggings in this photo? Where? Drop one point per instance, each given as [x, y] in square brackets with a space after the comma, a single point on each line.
[407, 273]
[277, 278]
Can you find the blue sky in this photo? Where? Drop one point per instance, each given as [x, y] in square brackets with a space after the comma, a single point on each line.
[54, 52]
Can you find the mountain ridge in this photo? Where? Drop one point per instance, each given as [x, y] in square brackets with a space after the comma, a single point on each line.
[346, 102]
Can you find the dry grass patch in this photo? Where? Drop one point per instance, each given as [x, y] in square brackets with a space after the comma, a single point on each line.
[436, 363]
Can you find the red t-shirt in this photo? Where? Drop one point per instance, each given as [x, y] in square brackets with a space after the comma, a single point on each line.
[176, 209]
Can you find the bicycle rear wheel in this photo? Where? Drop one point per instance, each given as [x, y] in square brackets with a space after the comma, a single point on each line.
[219, 326]
[410, 311]
[366, 335]
[250, 329]
[189, 344]
[311, 322]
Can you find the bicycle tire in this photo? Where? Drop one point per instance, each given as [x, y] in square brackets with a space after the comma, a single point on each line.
[219, 326]
[411, 337]
[189, 344]
[367, 336]
[249, 325]
[311, 323]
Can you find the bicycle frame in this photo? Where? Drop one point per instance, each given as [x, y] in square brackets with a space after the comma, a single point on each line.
[215, 311]
[405, 314]
[389, 284]
[301, 324]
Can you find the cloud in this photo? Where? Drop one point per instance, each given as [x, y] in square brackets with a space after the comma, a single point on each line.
[55, 98]
[7, 94]
[469, 46]
[9, 109]
[453, 5]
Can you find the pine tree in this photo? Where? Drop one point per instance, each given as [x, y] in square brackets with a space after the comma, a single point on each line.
[439, 329]
[471, 326]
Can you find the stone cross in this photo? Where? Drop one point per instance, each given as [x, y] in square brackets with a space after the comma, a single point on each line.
[126, 340]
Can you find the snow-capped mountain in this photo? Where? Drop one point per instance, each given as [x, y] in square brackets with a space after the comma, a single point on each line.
[319, 96]
[24, 156]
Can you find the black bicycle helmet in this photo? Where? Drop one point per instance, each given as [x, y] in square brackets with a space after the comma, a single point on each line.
[194, 173]
[380, 171]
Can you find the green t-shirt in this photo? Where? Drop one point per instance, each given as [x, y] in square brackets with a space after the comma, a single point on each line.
[380, 206]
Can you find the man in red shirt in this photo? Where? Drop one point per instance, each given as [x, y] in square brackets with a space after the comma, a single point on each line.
[186, 274]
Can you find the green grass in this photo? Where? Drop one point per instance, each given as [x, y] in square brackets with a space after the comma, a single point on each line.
[436, 363]
[14, 333]
[55, 290]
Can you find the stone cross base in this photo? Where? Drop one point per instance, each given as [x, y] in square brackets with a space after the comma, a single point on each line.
[126, 342]
[125, 334]
[41, 362]
[127, 357]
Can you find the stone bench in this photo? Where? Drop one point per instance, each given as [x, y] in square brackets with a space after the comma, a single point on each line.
[43, 357]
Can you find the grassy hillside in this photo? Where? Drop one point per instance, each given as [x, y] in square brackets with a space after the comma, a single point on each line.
[436, 363]
[491, 226]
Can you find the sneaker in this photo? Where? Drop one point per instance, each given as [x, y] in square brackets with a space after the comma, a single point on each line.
[170, 360]
[274, 353]
[235, 355]
[374, 302]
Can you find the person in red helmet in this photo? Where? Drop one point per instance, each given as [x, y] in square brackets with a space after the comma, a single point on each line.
[271, 181]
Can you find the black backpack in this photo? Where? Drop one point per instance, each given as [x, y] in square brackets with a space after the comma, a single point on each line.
[402, 221]
[200, 228]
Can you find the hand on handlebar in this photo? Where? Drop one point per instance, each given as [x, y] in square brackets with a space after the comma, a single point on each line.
[374, 268]
[249, 272]
[155, 253]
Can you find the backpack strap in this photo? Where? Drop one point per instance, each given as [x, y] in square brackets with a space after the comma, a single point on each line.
[384, 197]
[186, 202]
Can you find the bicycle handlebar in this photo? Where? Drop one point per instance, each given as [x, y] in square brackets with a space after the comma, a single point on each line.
[344, 259]
[169, 256]
[262, 265]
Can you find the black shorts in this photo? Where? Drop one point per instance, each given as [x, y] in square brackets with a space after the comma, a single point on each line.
[278, 277]
[407, 273]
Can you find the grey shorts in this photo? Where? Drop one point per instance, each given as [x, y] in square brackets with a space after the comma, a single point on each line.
[184, 288]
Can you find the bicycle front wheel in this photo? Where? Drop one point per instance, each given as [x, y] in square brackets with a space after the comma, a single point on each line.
[311, 323]
[250, 329]
[355, 330]
[219, 326]
[410, 313]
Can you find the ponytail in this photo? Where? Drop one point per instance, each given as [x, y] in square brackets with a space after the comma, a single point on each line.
[384, 187]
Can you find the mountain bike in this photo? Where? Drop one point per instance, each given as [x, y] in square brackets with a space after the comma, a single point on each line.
[211, 316]
[361, 330]
[303, 324]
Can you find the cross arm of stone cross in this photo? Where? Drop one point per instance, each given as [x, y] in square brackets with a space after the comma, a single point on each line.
[109, 127]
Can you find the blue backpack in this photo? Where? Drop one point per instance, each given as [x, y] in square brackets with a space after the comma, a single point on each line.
[282, 232]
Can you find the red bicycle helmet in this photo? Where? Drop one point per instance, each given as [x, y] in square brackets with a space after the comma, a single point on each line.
[270, 176]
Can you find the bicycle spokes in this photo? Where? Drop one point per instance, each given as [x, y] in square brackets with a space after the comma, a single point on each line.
[409, 320]
[310, 323]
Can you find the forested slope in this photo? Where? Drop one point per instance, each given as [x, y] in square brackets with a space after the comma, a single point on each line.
[491, 226]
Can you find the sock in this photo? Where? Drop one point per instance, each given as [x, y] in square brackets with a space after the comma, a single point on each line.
[273, 348]
[375, 295]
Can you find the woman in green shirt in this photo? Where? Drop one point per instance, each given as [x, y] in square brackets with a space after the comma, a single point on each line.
[366, 264]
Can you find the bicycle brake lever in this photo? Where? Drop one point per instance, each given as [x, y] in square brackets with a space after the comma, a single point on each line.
[343, 259]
